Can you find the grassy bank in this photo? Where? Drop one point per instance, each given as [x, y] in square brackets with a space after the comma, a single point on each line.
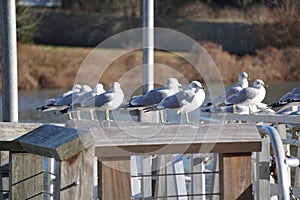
[56, 67]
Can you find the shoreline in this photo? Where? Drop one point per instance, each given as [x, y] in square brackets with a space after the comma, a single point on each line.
[52, 67]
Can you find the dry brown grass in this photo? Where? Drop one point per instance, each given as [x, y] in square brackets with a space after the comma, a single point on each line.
[57, 67]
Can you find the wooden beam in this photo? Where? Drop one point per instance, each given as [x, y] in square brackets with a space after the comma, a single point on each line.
[235, 176]
[172, 139]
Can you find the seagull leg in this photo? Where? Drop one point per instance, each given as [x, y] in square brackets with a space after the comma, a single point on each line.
[161, 114]
[78, 115]
[92, 114]
[107, 116]
[187, 118]
[234, 109]
[70, 116]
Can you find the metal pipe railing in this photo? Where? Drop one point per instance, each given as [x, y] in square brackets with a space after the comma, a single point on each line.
[282, 167]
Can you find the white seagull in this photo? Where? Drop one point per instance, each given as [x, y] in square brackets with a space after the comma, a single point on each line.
[234, 89]
[75, 106]
[183, 101]
[107, 101]
[155, 96]
[58, 102]
[250, 96]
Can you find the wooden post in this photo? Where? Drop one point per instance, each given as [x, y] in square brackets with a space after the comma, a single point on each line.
[115, 179]
[235, 176]
[77, 180]
[27, 179]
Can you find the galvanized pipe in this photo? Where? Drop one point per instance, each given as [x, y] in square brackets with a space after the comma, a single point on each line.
[9, 61]
[148, 45]
[282, 167]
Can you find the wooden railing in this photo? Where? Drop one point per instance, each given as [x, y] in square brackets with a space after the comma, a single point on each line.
[114, 144]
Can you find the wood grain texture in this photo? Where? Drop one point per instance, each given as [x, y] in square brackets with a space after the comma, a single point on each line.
[235, 176]
[115, 176]
[172, 139]
[78, 168]
[24, 166]
[55, 141]
[9, 131]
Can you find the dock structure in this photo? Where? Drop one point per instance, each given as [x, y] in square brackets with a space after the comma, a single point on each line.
[114, 144]
[73, 150]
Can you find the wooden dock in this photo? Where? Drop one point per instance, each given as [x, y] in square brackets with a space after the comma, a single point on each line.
[114, 143]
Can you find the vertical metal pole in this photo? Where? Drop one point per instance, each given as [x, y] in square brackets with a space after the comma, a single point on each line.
[9, 62]
[57, 183]
[148, 45]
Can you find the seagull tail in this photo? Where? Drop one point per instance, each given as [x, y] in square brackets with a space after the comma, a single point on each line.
[152, 108]
[64, 111]
[45, 108]
[277, 104]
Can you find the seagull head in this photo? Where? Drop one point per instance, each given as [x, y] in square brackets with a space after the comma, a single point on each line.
[258, 83]
[173, 83]
[76, 88]
[243, 75]
[115, 86]
[98, 88]
[85, 88]
[243, 79]
[196, 85]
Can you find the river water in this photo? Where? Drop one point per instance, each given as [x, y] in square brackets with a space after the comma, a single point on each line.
[30, 100]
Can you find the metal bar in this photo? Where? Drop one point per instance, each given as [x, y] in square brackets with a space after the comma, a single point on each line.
[146, 180]
[38, 194]
[263, 170]
[283, 176]
[9, 61]
[263, 118]
[173, 174]
[25, 179]
[148, 45]
[57, 181]
[10, 176]
[177, 196]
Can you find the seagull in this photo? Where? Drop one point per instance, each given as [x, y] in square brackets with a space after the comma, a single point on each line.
[56, 103]
[219, 101]
[156, 95]
[97, 89]
[249, 96]
[289, 99]
[75, 106]
[107, 101]
[242, 83]
[183, 101]
[153, 97]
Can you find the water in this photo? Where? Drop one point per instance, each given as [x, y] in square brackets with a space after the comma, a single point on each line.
[30, 100]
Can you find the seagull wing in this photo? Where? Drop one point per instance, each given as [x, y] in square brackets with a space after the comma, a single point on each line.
[242, 96]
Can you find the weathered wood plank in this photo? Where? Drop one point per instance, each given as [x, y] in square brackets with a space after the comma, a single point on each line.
[235, 176]
[27, 178]
[170, 139]
[77, 175]
[9, 131]
[116, 175]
